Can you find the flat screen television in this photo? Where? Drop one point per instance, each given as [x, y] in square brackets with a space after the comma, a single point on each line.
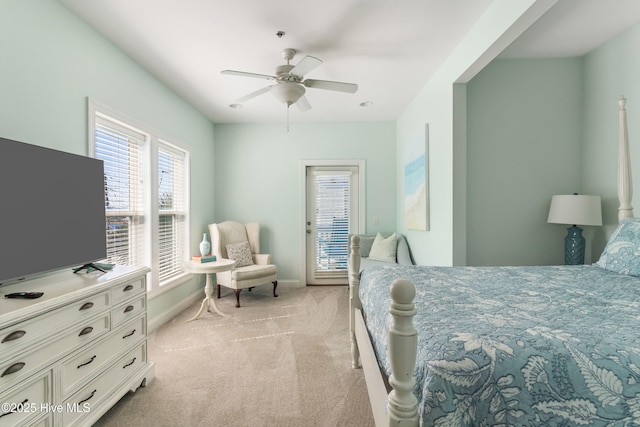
[52, 210]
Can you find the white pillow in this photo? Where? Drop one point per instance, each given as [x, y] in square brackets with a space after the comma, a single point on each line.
[384, 249]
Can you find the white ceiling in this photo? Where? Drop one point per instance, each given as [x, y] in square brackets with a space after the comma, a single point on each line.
[389, 48]
[574, 28]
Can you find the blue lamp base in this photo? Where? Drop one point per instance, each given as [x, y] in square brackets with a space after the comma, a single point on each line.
[574, 246]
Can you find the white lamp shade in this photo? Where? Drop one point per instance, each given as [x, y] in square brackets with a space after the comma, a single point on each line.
[576, 209]
[288, 92]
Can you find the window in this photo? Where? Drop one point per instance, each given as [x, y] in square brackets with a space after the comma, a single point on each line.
[146, 188]
[171, 211]
[120, 149]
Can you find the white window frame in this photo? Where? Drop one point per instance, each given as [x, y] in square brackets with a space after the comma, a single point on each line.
[154, 141]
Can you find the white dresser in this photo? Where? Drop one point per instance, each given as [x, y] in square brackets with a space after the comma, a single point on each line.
[70, 355]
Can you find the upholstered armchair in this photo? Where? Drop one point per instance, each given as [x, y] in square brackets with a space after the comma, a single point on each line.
[241, 242]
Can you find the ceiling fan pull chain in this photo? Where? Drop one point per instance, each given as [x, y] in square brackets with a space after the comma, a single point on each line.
[287, 118]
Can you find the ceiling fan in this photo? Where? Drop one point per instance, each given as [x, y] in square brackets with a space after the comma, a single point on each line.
[290, 83]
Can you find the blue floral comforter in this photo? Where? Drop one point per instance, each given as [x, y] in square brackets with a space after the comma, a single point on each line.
[518, 346]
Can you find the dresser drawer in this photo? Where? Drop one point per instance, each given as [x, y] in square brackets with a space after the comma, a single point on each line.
[26, 402]
[127, 290]
[89, 362]
[29, 332]
[45, 422]
[128, 310]
[99, 389]
[20, 366]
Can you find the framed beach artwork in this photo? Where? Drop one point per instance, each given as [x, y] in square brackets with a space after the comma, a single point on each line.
[416, 186]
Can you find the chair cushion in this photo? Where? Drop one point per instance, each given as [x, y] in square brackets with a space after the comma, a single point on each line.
[253, 272]
[240, 253]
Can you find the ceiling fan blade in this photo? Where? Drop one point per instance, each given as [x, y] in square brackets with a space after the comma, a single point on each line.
[328, 85]
[245, 74]
[254, 94]
[307, 64]
[303, 104]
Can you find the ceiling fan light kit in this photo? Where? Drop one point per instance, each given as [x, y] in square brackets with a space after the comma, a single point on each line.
[289, 93]
[290, 84]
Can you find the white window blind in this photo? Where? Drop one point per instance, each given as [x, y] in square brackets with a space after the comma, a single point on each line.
[171, 210]
[121, 150]
[146, 195]
[332, 192]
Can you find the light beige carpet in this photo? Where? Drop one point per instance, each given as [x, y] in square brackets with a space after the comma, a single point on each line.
[274, 362]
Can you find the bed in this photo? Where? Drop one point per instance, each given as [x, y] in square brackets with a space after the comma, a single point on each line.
[504, 346]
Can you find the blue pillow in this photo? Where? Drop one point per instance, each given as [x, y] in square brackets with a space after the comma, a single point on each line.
[622, 252]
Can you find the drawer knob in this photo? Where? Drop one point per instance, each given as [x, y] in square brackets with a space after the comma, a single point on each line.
[85, 331]
[130, 363]
[88, 398]
[14, 336]
[128, 309]
[86, 363]
[129, 334]
[18, 406]
[127, 288]
[86, 306]
[13, 368]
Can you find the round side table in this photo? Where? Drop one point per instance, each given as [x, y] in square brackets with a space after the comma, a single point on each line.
[209, 269]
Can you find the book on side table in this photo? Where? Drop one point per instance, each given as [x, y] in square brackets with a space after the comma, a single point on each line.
[206, 258]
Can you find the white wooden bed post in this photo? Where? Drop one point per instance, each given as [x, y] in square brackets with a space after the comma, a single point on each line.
[354, 297]
[398, 408]
[625, 186]
[403, 347]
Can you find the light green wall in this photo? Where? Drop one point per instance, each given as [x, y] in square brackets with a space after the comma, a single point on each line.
[52, 61]
[445, 243]
[610, 71]
[523, 146]
[257, 178]
[539, 127]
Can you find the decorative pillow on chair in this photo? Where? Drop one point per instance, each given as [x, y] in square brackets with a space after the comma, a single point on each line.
[240, 253]
[384, 249]
[622, 253]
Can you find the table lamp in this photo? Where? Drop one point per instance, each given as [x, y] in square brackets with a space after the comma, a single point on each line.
[577, 210]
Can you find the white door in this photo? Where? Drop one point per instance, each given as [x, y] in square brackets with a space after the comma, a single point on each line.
[332, 204]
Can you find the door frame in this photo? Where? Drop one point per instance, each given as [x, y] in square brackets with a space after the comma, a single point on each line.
[357, 163]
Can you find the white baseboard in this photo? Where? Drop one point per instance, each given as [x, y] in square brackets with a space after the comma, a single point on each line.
[290, 284]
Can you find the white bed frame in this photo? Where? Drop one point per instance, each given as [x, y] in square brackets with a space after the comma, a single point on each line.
[393, 402]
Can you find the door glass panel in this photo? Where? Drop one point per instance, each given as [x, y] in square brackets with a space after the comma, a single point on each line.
[332, 197]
